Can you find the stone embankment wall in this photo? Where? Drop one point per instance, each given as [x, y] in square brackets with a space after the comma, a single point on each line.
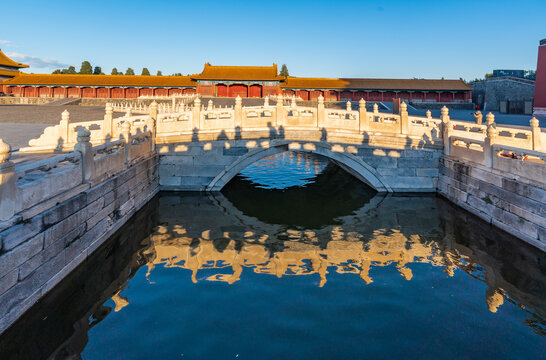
[494, 90]
[514, 204]
[39, 252]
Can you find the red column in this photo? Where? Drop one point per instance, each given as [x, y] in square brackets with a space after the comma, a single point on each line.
[452, 97]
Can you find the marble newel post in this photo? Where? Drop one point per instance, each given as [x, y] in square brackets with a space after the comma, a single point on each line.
[196, 113]
[153, 115]
[445, 120]
[86, 149]
[8, 183]
[238, 112]
[404, 120]
[126, 133]
[363, 115]
[280, 110]
[108, 123]
[490, 140]
[536, 132]
[320, 112]
[64, 128]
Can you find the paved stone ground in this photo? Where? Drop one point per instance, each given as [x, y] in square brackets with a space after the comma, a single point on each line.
[20, 123]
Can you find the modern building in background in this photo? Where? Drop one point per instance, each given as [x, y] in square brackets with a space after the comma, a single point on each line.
[512, 73]
[539, 105]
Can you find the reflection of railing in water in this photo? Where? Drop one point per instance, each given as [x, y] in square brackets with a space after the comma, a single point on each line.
[346, 257]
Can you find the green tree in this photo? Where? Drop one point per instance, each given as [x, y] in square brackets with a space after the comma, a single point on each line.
[97, 70]
[145, 71]
[159, 73]
[71, 70]
[530, 74]
[58, 71]
[177, 74]
[129, 71]
[115, 71]
[86, 68]
[284, 70]
[489, 75]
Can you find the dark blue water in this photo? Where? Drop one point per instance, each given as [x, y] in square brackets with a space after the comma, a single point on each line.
[286, 264]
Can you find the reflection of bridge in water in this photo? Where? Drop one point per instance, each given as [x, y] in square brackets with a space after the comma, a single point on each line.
[386, 231]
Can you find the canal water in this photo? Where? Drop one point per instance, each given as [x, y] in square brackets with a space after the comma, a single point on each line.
[295, 259]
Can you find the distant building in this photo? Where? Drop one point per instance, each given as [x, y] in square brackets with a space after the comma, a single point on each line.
[232, 81]
[8, 67]
[539, 105]
[512, 73]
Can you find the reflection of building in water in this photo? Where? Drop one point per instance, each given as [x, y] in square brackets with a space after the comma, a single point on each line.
[347, 256]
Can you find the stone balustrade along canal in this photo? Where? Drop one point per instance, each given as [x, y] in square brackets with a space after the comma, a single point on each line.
[56, 212]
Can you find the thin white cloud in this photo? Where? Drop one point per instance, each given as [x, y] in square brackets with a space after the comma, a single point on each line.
[37, 62]
[6, 43]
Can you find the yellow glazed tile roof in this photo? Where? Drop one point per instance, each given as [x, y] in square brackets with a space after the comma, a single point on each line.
[101, 80]
[375, 84]
[212, 72]
[6, 61]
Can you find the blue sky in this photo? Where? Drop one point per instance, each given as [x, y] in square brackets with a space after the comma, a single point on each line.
[391, 39]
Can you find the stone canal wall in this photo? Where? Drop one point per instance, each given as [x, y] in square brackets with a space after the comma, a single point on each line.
[514, 203]
[56, 212]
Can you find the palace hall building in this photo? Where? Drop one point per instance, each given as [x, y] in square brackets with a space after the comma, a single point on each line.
[9, 68]
[233, 81]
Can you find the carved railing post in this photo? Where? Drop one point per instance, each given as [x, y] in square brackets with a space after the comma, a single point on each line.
[320, 112]
[429, 114]
[445, 119]
[86, 149]
[8, 183]
[238, 112]
[280, 111]
[404, 120]
[489, 119]
[126, 133]
[375, 108]
[490, 140]
[266, 101]
[536, 133]
[153, 116]
[108, 123]
[363, 115]
[196, 113]
[446, 136]
[64, 126]
[349, 106]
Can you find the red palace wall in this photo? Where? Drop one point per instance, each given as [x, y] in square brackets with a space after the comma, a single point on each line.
[238, 90]
[540, 82]
[255, 91]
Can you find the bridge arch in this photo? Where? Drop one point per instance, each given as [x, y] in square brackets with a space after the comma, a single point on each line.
[350, 163]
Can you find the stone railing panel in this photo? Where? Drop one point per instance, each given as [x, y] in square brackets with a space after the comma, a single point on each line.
[42, 180]
[217, 119]
[467, 149]
[342, 120]
[258, 117]
[384, 123]
[175, 123]
[521, 162]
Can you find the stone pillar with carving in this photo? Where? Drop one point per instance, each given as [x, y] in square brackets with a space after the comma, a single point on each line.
[320, 112]
[490, 140]
[490, 119]
[429, 114]
[238, 112]
[64, 129]
[280, 110]
[8, 183]
[108, 123]
[445, 120]
[404, 119]
[126, 133]
[86, 149]
[153, 116]
[362, 115]
[535, 134]
[196, 113]
[349, 106]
